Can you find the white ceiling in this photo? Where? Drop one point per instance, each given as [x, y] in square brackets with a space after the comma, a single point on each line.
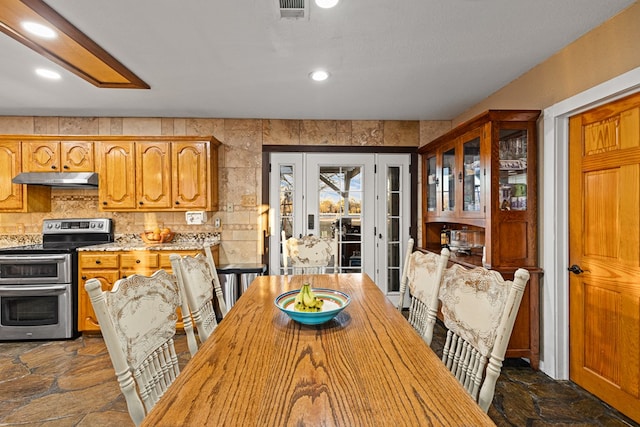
[393, 60]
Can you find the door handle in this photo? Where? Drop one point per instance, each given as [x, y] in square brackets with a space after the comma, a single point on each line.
[575, 269]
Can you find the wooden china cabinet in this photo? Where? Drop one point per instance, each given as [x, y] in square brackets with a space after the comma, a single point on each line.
[479, 196]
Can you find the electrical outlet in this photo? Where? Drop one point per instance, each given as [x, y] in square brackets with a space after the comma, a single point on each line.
[217, 223]
[195, 217]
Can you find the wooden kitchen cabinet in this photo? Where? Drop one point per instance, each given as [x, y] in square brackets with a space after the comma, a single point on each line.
[19, 197]
[109, 266]
[482, 177]
[57, 156]
[177, 173]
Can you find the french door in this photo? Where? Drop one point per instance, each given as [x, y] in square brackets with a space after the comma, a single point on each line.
[363, 198]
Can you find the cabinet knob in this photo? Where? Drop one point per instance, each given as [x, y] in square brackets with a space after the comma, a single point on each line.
[84, 277]
[65, 167]
[53, 166]
[137, 261]
[104, 203]
[177, 202]
[98, 261]
[124, 276]
[140, 203]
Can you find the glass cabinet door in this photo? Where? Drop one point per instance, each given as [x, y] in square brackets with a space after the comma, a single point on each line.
[471, 190]
[432, 183]
[448, 180]
[513, 169]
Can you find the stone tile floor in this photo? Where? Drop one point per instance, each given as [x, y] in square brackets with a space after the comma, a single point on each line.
[72, 383]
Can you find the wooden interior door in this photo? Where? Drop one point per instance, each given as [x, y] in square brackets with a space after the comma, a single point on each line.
[604, 216]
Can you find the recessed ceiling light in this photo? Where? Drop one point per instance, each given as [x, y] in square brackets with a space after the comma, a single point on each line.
[326, 4]
[319, 75]
[48, 74]
[39, 30]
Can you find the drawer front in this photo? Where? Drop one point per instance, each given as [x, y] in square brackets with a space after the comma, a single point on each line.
[98, 260]
[165, 262]
[138, 261]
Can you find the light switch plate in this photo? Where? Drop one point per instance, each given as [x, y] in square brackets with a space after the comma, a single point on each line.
[195, 217]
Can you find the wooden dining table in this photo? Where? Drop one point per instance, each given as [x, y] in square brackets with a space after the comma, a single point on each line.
[365, 367]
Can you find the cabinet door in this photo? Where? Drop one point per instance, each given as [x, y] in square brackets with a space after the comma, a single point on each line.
[41, 156]
[87, 320]
[431, 184]
[190, 175]
[471, 176]
[77, 156]
[116, 174]
[447, 178]
[10, 193]
[153, 175]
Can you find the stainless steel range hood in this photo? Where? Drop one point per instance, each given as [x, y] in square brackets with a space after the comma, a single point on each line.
[58, 179]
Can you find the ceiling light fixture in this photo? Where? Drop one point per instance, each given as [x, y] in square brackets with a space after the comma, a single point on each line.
[319, 75]
[326, 4]
[71, 49]
[48, 74]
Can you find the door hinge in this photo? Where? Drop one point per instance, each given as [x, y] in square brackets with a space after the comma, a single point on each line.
[375, 168]
[269, 167]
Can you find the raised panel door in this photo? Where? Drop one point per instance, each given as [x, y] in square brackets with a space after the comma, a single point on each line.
[41, 156]
[77, 156]
[87, 320]
[116, 175]
[10, 193]
[190, 175]
[153, 175]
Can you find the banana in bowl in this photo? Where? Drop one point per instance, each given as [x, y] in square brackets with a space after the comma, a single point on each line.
[312, 306]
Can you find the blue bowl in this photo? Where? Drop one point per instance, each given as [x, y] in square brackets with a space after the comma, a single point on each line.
[334, 303]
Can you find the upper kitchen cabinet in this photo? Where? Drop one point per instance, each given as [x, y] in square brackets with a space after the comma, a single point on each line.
[19, 197]
[158, 174]
[57, 156]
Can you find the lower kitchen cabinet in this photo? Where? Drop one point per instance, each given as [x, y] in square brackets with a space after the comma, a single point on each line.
[109, 266]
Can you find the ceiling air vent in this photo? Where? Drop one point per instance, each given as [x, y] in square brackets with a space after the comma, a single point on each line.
[293, 9]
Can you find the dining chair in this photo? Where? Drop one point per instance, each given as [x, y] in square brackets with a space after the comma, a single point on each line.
[309, 254]
[138, 322]
[479, 309]
[422, 277]
[217, 287]
[196, 281]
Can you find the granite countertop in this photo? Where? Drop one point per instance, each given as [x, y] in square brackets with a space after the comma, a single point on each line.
[133, 242]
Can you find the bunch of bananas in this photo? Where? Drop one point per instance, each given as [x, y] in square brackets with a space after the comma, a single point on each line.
[306, 300]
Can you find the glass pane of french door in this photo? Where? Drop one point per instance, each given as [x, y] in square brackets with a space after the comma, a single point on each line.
[393, 218]
[339, 194]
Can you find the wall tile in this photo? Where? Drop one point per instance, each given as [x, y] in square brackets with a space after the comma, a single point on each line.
[17, 125]
[401, 133]
[367, 132]
[141, 126]
[46, 125]
[430, 130]
[281, 132]
[318, 132]
[117, 126]
[79, 126]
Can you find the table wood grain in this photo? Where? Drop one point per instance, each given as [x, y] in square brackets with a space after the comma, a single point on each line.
[366, 367]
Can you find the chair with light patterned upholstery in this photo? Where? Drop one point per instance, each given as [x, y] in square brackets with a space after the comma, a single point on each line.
[422, 276]
[138, 322]
[197, 283]
[310, 254]
[479, 309]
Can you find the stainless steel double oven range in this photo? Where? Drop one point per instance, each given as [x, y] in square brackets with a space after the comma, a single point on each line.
[39, 283]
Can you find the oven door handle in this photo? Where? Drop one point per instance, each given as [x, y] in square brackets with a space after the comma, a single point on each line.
[40, 290]
[32, 259]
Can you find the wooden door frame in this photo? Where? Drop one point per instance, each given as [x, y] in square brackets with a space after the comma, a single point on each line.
[554, 218]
